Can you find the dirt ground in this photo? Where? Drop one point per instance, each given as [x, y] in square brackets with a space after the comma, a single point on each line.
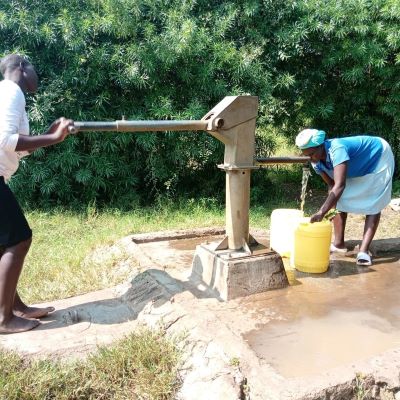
[389, 226]
[226, 343]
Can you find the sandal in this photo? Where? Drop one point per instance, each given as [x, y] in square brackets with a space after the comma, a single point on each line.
[334, 249]
[364, 259]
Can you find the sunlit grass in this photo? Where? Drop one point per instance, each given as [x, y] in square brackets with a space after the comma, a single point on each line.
[62, 239]
[144, 365]
[54, 268]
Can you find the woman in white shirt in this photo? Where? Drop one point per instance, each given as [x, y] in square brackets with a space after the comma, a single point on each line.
[15, 234]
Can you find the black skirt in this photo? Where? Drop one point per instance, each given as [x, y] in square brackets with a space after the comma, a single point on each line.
[14, 227]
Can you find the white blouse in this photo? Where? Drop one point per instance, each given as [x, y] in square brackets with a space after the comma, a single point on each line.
[13, 122]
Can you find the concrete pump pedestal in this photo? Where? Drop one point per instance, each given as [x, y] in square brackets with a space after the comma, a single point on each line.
[231, 274]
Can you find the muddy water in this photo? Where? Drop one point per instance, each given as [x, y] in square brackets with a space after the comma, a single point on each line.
[328, 321]
[171, 253]
[190, 244]
[309, 346]
[321, 321]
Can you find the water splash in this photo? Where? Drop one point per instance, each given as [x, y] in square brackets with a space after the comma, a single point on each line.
[304, 181]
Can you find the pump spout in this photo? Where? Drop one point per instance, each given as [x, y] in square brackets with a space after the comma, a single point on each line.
[283, 160]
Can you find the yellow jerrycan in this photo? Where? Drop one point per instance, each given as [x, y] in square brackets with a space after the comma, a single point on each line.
[312, 246]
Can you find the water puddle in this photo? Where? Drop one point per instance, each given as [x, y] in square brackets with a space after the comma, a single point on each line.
[190, 244]
[310, 346]
[328, 320]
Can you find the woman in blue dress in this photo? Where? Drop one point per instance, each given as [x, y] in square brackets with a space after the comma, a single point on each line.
[358, 171]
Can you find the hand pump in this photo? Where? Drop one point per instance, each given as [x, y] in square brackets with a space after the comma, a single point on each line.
[232, 121]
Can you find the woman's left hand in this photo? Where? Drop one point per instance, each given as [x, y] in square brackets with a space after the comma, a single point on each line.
[317, 217]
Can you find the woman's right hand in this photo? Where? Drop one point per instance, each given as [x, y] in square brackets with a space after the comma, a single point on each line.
[317, 217]
[59, 128]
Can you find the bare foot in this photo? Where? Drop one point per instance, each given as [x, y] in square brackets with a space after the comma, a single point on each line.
[33, 312]
[17, 324]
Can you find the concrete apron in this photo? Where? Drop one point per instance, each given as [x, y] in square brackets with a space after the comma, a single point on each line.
[316, 339]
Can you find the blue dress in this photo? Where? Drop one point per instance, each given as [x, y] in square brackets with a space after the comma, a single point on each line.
[370, 167]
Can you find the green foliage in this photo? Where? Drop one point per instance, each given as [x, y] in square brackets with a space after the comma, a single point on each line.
[101, 60]
[344, 59]
[324, 63]
[396, 188]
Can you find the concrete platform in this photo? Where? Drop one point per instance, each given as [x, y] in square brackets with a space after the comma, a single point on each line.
[333, 336]
[324, 334]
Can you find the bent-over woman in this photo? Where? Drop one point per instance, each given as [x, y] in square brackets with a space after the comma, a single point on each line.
[358, 171]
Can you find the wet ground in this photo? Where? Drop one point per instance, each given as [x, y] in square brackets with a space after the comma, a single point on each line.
[326, 321]
[322, 321]
[310, 337]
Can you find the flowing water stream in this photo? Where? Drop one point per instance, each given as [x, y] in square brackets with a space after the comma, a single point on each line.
[304, 181]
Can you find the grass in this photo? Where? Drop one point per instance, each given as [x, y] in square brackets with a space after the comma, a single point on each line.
[62, 239]
[57, 265]
[144, 365]
[360, 384]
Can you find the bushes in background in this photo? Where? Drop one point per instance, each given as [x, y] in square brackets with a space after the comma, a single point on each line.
[324, 63]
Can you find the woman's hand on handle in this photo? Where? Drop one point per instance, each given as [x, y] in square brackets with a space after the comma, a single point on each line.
[56, 133]
[59, 128]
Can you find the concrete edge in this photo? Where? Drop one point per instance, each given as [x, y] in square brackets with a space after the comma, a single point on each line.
[176, 234]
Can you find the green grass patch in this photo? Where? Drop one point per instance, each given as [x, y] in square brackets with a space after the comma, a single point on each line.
[144, 365]
[56, 266]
